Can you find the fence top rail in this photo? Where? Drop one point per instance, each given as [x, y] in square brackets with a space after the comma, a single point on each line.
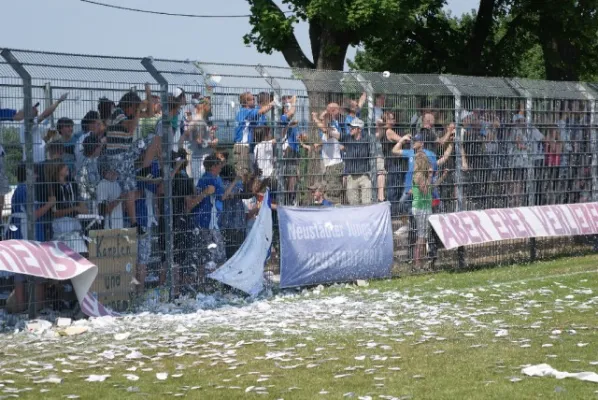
[71, 69]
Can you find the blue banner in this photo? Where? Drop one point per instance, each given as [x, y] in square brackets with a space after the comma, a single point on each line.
[329, 244]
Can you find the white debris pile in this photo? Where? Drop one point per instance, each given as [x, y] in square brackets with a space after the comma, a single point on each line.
[546, 370]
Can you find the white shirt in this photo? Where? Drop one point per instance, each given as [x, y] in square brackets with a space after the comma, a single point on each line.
[108, 191]
[38, 131]
[175, 138]
[331, 151]
[79, 151]
[264, 157]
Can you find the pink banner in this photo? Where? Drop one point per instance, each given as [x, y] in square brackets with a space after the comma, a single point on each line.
[475, 227]
[54, 260]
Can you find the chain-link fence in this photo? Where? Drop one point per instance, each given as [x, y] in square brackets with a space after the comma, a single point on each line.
[155, 169]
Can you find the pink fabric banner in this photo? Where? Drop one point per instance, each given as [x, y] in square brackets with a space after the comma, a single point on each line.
[475, 227]
[54, 260]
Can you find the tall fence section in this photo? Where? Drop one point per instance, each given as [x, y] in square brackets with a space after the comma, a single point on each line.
[126, 185]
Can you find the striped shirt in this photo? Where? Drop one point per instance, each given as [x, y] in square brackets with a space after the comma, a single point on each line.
[118, 138]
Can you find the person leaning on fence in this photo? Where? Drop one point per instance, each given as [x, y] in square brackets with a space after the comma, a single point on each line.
[422, 203]
[88, 176]
[65, 127]
[120, 152]
[417, 146]
[109, 198]
[358, 150]
[200, 136]
[66, 227]
[330, 135]
[91, 125]
[318, 193]
[233, 221]
[248, 117]
[208, 243]
[263, 152]
[352, 109]
[290, 146]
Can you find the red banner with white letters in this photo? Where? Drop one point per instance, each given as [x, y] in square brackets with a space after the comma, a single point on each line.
[54, 260]
[475, 227]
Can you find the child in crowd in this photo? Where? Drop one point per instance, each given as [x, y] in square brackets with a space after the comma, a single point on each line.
[263, 152]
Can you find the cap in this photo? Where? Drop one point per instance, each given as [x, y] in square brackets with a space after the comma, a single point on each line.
[178, 92]
[356, 123]
[418, 138]
[319, 186]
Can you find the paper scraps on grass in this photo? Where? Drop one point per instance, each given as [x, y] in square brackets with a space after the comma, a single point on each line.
[547, 370]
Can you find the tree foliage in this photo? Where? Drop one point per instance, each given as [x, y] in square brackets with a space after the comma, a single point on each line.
[528, 38]
[334, 25]
[531, 38]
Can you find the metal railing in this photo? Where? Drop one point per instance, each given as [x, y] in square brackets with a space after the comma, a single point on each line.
[494, 142]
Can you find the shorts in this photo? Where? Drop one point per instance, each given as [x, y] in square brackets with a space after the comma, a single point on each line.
[380, 166]
[421, 222]
[242, 159]
[124, 165]
[144, 249]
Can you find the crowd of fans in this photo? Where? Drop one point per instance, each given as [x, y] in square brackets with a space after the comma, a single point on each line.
[109, 175]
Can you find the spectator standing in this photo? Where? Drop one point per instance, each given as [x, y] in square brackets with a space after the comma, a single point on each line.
[208, 240]
[66, 227]
[91, 125]
[40, 124]
[263, 152]
[109, 198]
[290, 146]
[358, 150]
[418, 146]
[248, 117]
[201, 136]
[65, 127]
[233, 222]
[422, 203]
[330, 135]
[120, 153]
[88, 176]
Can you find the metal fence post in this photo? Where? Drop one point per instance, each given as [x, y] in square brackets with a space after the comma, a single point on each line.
[593, 139]
[593, 149]
[166, 168]
[278, 151]
[376, 149]
[30, 183]
[458, 158]
[48, 101]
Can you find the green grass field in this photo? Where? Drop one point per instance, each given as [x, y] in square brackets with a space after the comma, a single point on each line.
[443, 336]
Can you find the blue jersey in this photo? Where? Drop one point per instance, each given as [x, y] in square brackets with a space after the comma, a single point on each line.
[247, 119]
[18, 218]
[207, 213]
[292, 133]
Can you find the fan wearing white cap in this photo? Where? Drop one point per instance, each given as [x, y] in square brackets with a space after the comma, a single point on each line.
[358, 151]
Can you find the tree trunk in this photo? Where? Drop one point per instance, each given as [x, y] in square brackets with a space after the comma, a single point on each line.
[561, 58]
[479, 37]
